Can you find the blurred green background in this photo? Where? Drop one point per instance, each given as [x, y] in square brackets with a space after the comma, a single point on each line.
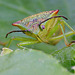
[14, 10]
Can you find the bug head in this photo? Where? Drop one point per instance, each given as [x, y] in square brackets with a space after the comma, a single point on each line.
[29, 25]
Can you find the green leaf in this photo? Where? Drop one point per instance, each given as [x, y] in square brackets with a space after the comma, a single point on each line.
[30, 62]
[66, 56]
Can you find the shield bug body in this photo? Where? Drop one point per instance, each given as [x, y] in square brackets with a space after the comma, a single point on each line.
[47, 27]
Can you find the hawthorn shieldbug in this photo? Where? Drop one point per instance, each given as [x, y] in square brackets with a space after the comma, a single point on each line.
[47, 27]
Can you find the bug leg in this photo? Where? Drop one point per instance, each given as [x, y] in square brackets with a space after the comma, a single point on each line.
[70, 29]
[61, 36]
[8, 45]
[21, 44]
[69, 26]
[71, 42]
[27, 41]
[66, 42]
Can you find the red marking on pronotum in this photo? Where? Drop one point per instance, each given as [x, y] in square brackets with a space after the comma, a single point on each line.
[56, 11]
[16, 23]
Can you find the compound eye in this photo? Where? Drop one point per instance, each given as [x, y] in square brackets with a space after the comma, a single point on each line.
[43, 27]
